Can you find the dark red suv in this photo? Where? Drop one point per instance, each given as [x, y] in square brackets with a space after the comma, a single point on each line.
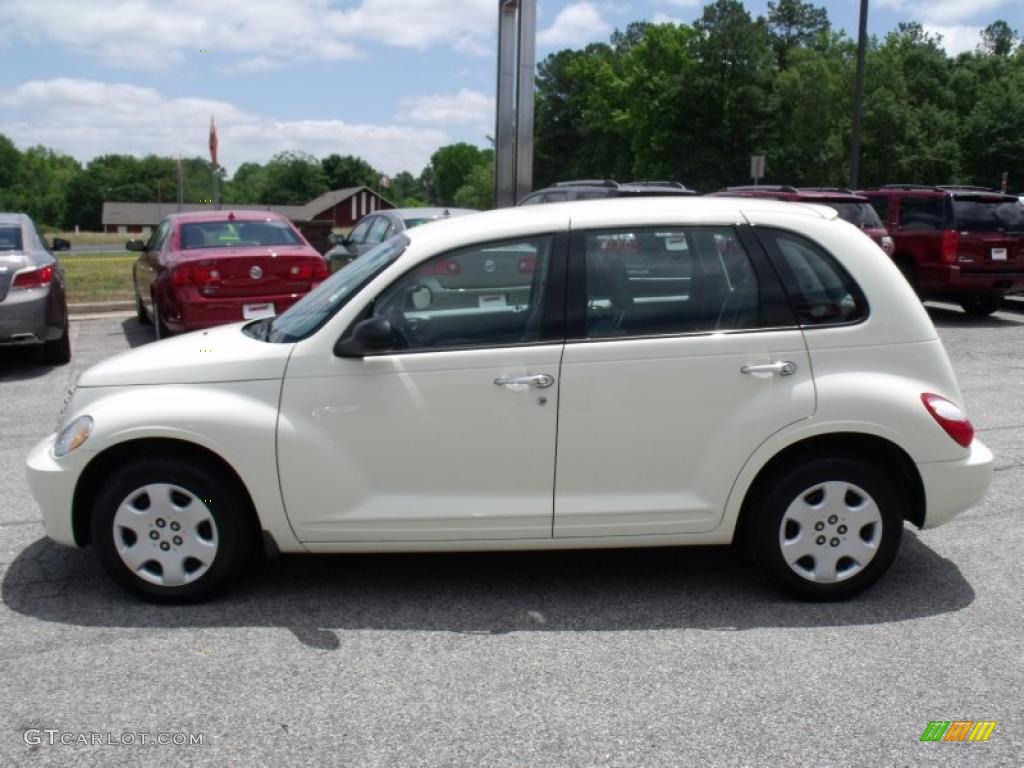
[965, 244]
[851, 207]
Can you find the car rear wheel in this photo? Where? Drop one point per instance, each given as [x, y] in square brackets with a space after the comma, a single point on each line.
[170, 530]
[828, 528]
[140, 311]
[58, 351]
[981, 305]
[160, 330]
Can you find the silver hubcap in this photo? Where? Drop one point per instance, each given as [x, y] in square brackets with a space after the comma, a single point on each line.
[165, 534]
[830, 532]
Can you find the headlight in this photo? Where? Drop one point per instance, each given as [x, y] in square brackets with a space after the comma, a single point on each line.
[72, 436]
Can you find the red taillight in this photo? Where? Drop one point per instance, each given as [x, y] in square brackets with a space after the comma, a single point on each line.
[320, 270]
[309, 270]
[527, 264]
[950, 418]
[205, 275]
[34, 279]
[182, 275]
[442, 268]
[950, 246]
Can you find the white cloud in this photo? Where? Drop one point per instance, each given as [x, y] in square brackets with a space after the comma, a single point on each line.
[681, 3]
[956, 39]
[86, 118]
[576, 24]
[943, 12]
[467, 107]
[157, 34]
[664, 18]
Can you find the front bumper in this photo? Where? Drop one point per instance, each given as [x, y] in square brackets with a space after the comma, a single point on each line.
[952, 487]
[52, 483]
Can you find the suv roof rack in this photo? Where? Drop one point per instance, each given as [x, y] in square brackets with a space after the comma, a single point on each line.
[669, 184]
[909, 186]
[968, 187]
[763, 187]
[587, 183]
[838, 190]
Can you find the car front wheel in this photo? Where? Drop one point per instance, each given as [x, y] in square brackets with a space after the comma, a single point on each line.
[170, 530]
[828, 528]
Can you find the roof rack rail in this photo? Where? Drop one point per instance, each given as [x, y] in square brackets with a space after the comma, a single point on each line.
[669, 184]
[763, 187]
[968, 186]
[587, 183]
[839, 190]
[908, 186]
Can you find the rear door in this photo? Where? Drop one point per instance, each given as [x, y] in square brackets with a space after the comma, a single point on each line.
[683, 358]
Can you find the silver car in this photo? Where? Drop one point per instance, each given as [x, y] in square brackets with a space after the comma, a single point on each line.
[33, 303]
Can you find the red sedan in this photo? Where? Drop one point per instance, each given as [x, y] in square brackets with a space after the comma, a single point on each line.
[211, 268]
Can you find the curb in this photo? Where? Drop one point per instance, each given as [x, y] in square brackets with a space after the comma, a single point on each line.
[91, 307]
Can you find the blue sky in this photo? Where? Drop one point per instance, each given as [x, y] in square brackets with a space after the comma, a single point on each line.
[390, 80]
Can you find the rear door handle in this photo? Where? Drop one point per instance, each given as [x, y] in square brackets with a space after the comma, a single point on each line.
[780, 367]
[539, 380]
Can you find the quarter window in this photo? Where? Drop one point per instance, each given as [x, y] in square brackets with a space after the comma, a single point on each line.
[642, 282]
[921, 214]
[485, 295]
[820, 291]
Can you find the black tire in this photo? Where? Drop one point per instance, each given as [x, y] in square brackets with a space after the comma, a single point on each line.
[798, 485]
[981, 305]
[140, 311]
[218, 501]
[58, 351]
[160, 330]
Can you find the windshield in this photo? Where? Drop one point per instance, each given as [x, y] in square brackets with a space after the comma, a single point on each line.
[235, 234]
[859, 214]
[10, 238]
[987, 215]
[316, 307]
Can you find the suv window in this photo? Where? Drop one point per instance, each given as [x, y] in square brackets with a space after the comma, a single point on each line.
[820, 291]
[484, 295]
[976, 213]
[659, 281]
[920, 214]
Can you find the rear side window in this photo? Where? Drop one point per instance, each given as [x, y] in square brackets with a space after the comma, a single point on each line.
[859, 214]
[881, 205]
[820, 291]
[921, 214]
[10, 237]
[663, 281]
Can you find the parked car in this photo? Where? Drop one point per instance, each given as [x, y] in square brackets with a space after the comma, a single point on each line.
[852, 208]
[772, 380]
[203, 269]
[33, 301]
[374, 228]
[965, 244]
[596, 189]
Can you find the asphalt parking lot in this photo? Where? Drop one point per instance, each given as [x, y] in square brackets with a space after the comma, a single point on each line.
[631, 658]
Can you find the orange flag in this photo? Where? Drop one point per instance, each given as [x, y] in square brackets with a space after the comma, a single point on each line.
[213, 142]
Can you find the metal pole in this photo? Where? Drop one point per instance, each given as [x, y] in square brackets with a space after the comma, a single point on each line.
[505, 120]
[526, 65]
[858, 97]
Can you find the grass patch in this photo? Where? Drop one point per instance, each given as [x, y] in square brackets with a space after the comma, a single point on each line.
[97, 238]
[103, 276]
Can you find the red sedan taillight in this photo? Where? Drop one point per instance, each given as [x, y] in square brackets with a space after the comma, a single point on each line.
[949, 416]
[35, 278]
[309, 270]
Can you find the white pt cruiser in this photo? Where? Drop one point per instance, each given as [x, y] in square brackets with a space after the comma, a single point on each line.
[610, 373]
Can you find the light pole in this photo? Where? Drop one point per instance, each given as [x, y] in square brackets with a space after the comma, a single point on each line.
[513, 152]
[858, 96]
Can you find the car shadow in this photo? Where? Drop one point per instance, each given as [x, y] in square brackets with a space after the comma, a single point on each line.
[710, 588]
[945, 317]
[135, 333]
[22, 363]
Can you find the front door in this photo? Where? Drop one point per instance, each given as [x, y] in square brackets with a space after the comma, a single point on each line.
[682, 359]
[450, 436]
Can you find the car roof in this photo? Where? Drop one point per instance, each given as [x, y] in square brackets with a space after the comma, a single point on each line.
[226, 214]
[523, 221]
[795, 194]
[14, 218]
[429, 212]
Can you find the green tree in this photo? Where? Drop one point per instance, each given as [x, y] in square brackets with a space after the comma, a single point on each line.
[292, 178]
[246, 184]
[451, 166]
[478, 189]
[794, 24]
[999, 38]
[349, 171]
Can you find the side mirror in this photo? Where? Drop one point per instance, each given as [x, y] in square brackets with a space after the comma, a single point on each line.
[60, 244]
[335, 239]
[135, 245]
[369, 337]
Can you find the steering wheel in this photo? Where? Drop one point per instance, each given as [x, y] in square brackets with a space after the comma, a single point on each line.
[402, 332]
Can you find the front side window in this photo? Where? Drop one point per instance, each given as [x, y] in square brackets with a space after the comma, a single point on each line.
[820, 291]
[650, 282]
[156, 240]
[921, 214]
[378, 231]
[484, 295]
[359, 233]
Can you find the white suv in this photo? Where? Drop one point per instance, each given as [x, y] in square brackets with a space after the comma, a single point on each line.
[650, 372]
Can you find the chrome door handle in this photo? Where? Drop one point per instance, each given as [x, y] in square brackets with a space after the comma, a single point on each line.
[781, 367]
[539, 380]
